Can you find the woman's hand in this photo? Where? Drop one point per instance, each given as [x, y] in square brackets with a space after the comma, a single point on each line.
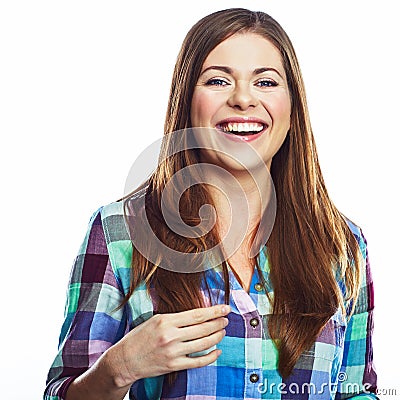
[162, 344]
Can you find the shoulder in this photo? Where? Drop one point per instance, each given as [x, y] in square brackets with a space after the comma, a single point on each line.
[365, 299]
[114, 216]
[359, 235]
[111, 217]
[114, 219]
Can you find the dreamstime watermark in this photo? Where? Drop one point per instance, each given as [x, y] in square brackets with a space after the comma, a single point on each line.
[294, 388]
[222, 162]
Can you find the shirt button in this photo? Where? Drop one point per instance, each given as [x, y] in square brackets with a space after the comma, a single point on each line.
[254, 378]
[254, 322]
[258, 287]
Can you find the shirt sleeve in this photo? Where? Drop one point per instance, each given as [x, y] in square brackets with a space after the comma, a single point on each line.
[91, 322]
[357, 376]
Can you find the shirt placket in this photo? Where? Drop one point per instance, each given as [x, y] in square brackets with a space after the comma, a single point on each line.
[253, 339]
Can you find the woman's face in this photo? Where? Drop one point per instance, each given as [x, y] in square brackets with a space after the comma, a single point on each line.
[242, 93]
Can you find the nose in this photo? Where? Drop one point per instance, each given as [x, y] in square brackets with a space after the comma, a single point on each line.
[242, 97]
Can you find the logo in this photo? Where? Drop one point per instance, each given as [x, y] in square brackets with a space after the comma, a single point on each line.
[224, 167]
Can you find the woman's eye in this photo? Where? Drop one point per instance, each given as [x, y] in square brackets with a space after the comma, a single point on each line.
[216, 82]
[266, 83]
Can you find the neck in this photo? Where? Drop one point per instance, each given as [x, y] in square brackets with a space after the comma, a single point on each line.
[239, 206]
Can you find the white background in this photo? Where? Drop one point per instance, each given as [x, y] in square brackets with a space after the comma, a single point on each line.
[83, 90]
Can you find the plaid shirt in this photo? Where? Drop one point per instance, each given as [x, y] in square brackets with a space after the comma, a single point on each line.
[338, 366]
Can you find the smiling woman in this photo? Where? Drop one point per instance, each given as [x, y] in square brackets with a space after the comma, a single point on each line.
[242, 92]
[295, 315]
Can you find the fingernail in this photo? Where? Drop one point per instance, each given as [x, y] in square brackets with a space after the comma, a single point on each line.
[224, 309]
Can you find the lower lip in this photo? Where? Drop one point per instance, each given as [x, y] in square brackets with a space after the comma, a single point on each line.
[243, 138]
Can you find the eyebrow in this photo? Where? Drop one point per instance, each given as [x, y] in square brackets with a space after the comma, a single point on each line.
[230, 71]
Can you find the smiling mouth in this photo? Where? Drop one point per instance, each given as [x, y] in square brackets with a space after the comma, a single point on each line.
[241, 128]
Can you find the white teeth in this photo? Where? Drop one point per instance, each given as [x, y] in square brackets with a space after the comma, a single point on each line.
[242, 127]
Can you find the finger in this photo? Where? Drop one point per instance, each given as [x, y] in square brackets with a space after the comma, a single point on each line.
[197, 362]
[202, 330]
[201, 344]
[199, 315]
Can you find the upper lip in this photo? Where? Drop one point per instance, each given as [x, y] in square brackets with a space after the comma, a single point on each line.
[241, 120]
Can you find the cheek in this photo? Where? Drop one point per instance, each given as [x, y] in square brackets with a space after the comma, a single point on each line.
[202, 109]
[280, 109]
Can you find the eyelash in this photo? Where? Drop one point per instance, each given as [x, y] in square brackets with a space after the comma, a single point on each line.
[270, 83]
[221, 82]
[213, 82]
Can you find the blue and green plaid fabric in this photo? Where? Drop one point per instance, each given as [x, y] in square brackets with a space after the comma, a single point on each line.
[338, 366]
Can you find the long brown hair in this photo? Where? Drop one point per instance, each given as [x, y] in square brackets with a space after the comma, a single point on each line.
[310, 244]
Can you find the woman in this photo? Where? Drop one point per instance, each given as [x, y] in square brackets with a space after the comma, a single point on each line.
[291, 320]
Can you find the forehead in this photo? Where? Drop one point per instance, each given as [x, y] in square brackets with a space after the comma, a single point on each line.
[245, 51]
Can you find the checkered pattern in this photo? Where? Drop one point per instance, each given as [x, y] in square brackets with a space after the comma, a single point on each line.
[338, 366]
